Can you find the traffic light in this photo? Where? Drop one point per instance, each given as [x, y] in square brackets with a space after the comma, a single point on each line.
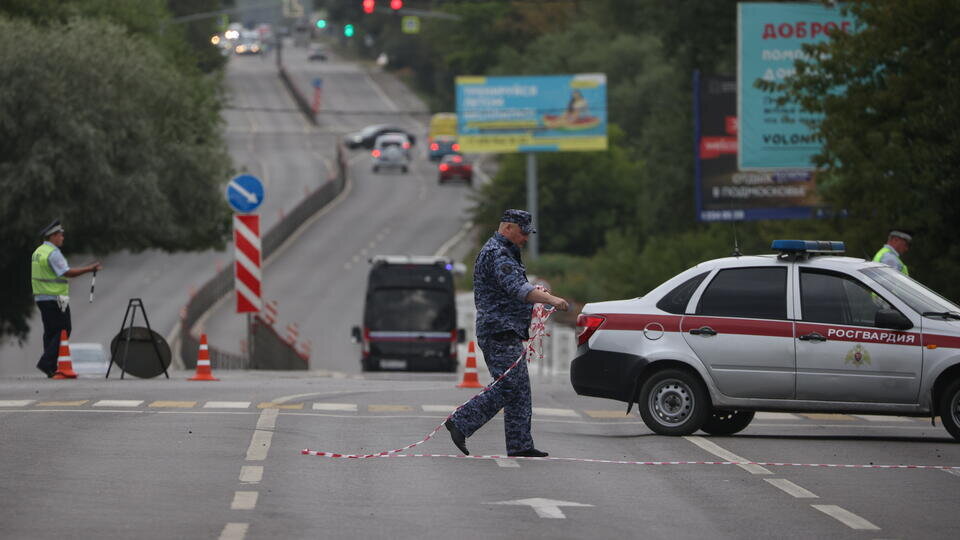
[348, 30]
[321, 23]
[396, 4]
[368, 6]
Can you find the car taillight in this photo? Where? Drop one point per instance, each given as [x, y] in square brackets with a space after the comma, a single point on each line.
[376, 153]
[434, 147]
[458, 159]
[456, 147]
[590, 324]
[406, 145]
[444, 166]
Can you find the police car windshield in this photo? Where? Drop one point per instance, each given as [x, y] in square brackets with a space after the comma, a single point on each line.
[917, 296]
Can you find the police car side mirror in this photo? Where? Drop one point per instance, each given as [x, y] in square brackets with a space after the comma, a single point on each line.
[461, 335]
[892, 319]
[355, 334]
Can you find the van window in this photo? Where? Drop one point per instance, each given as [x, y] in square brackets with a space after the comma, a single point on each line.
[755, 293]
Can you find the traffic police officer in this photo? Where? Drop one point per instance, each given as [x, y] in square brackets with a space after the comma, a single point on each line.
[48, 276]
[504, 299]
[898, 242]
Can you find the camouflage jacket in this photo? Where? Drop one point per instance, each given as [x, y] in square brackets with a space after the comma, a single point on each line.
[500, 287]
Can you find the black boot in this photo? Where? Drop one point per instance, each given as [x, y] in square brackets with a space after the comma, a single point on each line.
[531, 452]
[457, 436]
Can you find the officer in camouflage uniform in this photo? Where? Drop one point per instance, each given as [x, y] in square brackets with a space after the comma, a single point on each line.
[504, 300]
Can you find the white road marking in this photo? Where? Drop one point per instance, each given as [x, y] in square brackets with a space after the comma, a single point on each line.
[227, 405]
[791, 489]
[507, 463]
[555, 412]
[846, 517]
[352, 407]
[439, 408]
[725, 455]
[251, 474]
[118, 403]
[262, 436]
[775, 416]
[954, 472]
[15, 402]
[234, 531]
[244, 500]
[545, 508]
[882, 418]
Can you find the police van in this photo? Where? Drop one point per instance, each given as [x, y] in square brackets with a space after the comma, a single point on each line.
[802, 330]
[409, 315]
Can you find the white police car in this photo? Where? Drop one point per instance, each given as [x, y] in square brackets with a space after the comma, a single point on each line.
[805, 330]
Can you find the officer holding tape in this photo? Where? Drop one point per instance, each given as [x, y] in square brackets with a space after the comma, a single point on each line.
[48, 277]
[504, 300]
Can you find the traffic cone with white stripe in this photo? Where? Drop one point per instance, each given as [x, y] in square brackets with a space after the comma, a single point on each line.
[64, 362]
[203, 363]
[470, 379]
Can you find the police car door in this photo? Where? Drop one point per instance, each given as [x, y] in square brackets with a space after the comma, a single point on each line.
[841, 354]
[741, 332]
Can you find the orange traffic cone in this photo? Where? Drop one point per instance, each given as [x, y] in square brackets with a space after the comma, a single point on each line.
[64, 362]
[203, 363]
[470, 379]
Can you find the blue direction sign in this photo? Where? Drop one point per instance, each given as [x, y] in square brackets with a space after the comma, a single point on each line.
[245, 193]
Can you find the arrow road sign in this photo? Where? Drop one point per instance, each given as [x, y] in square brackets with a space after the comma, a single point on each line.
[245, 193]
[545, 508]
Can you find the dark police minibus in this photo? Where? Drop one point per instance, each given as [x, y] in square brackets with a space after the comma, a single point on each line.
[410, 315]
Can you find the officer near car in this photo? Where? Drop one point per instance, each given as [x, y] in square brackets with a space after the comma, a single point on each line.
[898, 242]
[504, 301]
[49, 271]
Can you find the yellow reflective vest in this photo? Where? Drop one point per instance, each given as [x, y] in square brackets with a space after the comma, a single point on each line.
[883, 251]
[42, 276]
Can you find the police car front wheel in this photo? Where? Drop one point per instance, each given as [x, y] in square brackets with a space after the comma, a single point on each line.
[674, 402]
[950, 408]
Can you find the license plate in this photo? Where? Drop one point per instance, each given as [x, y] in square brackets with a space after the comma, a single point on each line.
[393, 364]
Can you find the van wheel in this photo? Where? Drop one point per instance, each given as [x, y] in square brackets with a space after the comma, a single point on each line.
[404, 169]
[723, 422]
[376, 169]
[366, 364]
[674, 402]
[950, 408]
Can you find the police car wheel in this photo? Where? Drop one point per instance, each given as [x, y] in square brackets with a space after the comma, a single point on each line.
[674, 402]
[950, 408]
[727, 422]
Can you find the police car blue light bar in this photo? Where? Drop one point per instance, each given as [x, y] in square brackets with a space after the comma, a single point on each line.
[808, 246]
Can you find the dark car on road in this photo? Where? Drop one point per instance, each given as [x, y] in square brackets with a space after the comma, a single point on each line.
[453, 166]
[368, 135]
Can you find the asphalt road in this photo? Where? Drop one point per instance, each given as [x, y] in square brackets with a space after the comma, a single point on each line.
[169, 458]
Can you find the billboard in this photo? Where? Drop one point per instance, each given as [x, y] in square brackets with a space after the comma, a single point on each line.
[547, 113]
[724, 193]
[769, 39]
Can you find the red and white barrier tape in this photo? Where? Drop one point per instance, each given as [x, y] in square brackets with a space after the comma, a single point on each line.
[627, 462]
[540, 313]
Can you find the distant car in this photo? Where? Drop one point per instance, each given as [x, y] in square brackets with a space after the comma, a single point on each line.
[442, 146]
[392, 151]
[317, 54]
[368, 135]
[89, 359]
[454, 166]
[248, 46]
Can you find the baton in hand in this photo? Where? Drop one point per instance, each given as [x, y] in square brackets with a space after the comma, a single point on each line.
[93, 282]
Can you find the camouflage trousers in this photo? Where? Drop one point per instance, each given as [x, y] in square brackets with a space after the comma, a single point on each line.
[512, 394]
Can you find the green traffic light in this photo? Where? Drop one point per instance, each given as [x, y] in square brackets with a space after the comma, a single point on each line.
[321, 23]
[348, 30]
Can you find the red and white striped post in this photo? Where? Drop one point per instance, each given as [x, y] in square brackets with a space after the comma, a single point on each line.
[247, 276]
[270, 312]
[293, 333]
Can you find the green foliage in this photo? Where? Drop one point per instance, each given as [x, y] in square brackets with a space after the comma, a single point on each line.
[100, 128]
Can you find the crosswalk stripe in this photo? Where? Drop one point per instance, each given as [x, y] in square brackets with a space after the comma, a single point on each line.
[825, 416]
[882, 418]
[389, 408]
[570, 413]
[348, 407]
[174, 404]
[226, 405]
[439, 408]
[15, 402]
[76, 403]
[118, 403]
[271, 405]
[606, 414]
[775, 416]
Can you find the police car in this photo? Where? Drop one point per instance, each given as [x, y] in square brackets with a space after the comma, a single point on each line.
[804, 330]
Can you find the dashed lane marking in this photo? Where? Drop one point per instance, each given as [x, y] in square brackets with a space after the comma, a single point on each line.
[439, 408]
[174, 404]
[272, 405]
[349, 407]
[846, 517]
[244, 500]
[507, 463]
[775, 416]
[791, 489]
[251, 474]
[226, 405]
[389, 408]
[234, 531]
[118, 403]
[570, 413]
[606, 414]
[15, 402]
[76, 403]
[824, 416]
[882, 418]
[263, 435]
[724, 454]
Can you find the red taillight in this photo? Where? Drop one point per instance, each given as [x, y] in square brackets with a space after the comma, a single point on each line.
[590, 324]
[444, 166]
[406, 145]
[456, 147]
[458, 159]
[376, 153]
[434, 147]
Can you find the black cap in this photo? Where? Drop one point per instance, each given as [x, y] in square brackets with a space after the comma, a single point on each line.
[521, 218]
[53, 227]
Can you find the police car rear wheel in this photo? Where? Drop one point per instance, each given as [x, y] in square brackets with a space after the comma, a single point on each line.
[950, 408]
[723, 422]
[674, 402]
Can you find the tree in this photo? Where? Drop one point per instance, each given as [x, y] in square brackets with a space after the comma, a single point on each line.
[890, 93]
[111, 137]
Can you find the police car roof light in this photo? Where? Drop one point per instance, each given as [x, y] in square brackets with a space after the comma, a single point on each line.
[809, 246]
